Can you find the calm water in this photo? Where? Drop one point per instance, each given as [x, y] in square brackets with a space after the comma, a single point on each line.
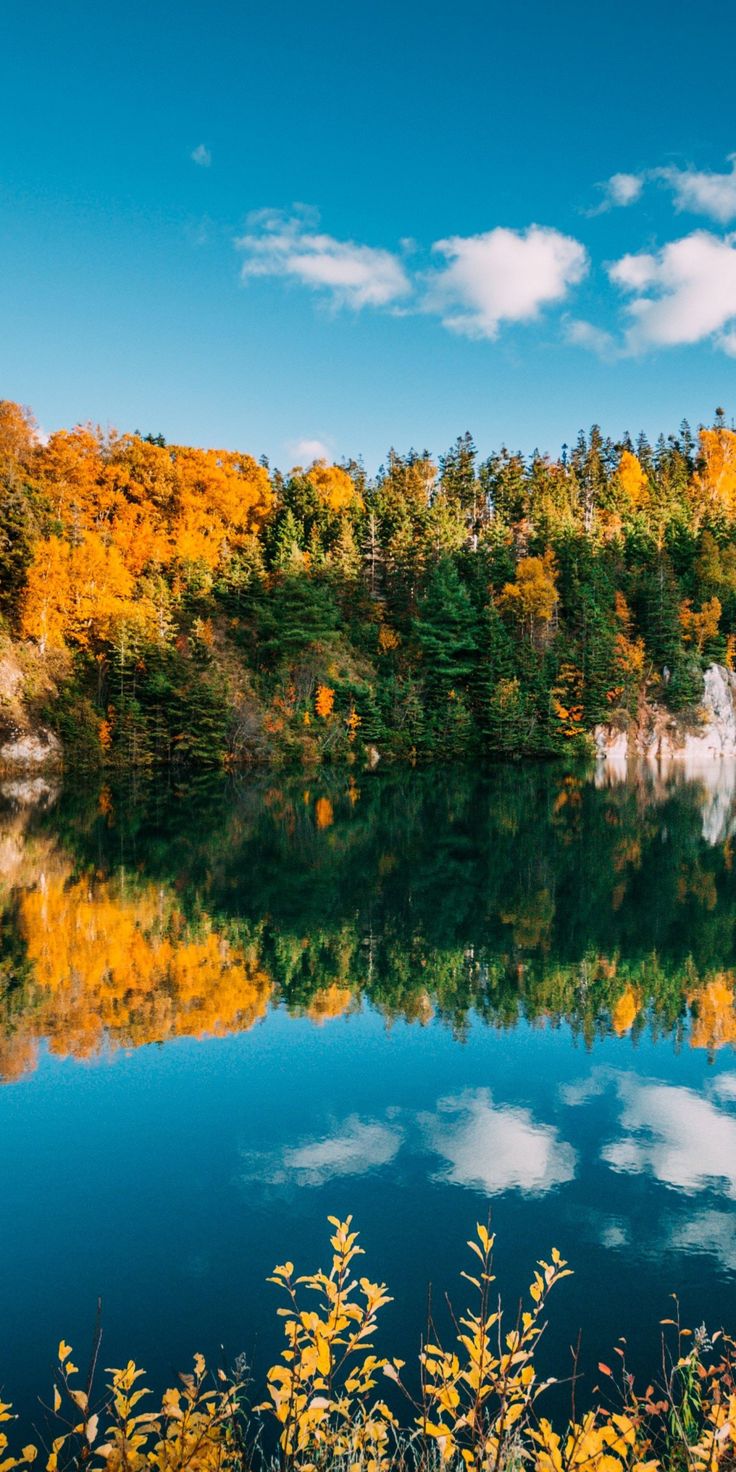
[229, 1011]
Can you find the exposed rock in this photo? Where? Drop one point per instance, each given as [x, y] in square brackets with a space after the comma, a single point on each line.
[702, 736]
[699, 746]
[11, 680]
[28, 679]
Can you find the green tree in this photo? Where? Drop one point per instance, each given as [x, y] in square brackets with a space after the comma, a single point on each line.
[444, 630]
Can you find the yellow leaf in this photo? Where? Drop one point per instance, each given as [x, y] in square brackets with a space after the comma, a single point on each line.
[323, 1355]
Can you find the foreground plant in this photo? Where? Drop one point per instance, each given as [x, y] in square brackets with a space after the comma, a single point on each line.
[195, 1427]
[475, 1410]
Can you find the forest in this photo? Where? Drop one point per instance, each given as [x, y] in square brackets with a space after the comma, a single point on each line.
[167, 604]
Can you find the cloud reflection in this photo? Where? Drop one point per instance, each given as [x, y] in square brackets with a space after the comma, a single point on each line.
[496, 1148]
[707, 1232]
[681, 1138]
[353, 1148]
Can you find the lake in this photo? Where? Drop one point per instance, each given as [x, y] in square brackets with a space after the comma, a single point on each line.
[232, 1008]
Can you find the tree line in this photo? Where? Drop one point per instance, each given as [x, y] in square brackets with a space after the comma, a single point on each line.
[196, 605]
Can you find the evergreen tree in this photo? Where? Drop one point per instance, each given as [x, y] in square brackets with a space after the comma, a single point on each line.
[295, 613]
[444, 630]
[458, 477]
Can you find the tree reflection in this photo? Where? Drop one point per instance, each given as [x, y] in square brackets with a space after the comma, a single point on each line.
[524, 893]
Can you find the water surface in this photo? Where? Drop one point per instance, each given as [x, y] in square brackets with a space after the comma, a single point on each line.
[229, 1010]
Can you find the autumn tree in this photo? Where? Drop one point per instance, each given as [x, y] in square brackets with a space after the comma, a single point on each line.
[531, 599]
[335, 488]
[633, 481]
[713, 488]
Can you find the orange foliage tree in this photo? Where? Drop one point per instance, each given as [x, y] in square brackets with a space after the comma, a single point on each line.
[714, 486]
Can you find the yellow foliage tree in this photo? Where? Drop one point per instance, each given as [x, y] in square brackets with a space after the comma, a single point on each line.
[324, 703]
[323, 813]
[116, 963]
[223, 499]
[334, 487]
[714, 1009]
[532, 597]
[17, 435]
[625, 1012]
[78, 592]
[566, 700]
[633, 480]
[629, 652]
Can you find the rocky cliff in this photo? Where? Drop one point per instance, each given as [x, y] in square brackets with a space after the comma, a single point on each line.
[659, 748]
[692, 740]
[29, 752]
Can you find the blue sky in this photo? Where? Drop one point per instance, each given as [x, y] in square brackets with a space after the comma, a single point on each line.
[278, 227]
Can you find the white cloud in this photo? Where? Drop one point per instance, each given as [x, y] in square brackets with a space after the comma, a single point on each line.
[624, 189]
[292, 247]
[703, 192]
[502, 276]
[496, 1148]
[358, 1146]
[727, 342]
[582, 334]
[305, 451]
[679, 1137]
[582, 1090]
[620, 191]
[201, 155]
[684, 293]
[615, 1234]
[699, 191]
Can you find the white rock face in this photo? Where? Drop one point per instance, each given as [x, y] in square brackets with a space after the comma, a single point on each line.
[660, 735]
[664, 745]
[30, 751]
[719, 693]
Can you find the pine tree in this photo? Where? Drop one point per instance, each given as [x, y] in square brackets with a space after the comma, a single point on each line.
[286, 549]
[458, 477]
[296, 613]
[444, 631]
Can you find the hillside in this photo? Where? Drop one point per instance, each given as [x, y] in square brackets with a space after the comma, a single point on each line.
[164, 603]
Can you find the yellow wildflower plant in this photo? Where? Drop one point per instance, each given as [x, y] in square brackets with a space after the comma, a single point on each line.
[321, 1392]
[475, 1409]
